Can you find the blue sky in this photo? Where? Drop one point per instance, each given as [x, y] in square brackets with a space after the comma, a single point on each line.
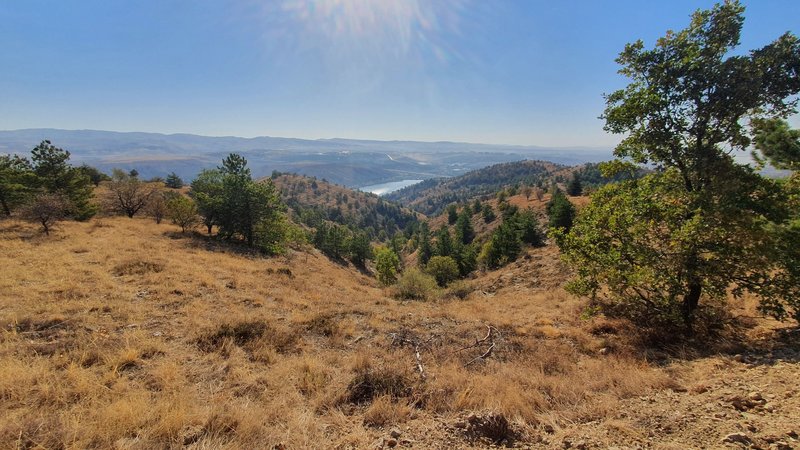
[493, 71]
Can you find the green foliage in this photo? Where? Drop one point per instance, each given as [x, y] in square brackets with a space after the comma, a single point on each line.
[443, 268]
[641, 245]
[94, 174]
[452, 214]
[465, 233]
[466, 257]
[575, 187]
[182, 211]
[250, 210]
[778, 143]
[560, 211]
[415, 285]
[207, 192]
[387, 264]
[17, 181]
[702, 224]
[477, 207]
[503, 247]
[240, 207]
[333, 240]
[360, 249]
[173, 181]
[488, 213]
[54, 175]
[444, 242]
[425, 250]
[433, 196]
[526, 223]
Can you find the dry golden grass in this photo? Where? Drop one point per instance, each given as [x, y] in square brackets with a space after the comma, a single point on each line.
[118, 333]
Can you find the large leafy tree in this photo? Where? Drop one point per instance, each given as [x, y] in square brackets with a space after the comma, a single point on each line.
[206, 190]
[701, 224]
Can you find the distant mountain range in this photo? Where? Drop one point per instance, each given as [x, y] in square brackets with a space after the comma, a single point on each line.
[349, 162]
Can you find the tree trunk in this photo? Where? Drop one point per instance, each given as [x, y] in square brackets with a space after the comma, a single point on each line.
[209, 226]
[690, 302]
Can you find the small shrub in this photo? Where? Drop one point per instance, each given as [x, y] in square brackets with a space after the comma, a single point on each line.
[460, 290]
[415, 285]
[387, 264]
[442, 268]
[373, 383]
[240, 333]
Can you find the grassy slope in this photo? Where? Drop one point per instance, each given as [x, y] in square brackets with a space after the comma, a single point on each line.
[111, 335]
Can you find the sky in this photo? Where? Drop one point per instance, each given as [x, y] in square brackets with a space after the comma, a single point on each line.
[525, 72]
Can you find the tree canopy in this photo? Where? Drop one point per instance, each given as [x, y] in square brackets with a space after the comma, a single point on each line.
[700, 224]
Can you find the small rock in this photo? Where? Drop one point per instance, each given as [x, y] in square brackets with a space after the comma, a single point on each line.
[755, 396]
[792, 434]
[736, 438]
[395, 433]
[391, 443]
[750, 427]
[604, 351]
[738, 358]
[549, 429]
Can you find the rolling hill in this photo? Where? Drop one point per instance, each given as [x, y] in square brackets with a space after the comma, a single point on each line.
[349, 162]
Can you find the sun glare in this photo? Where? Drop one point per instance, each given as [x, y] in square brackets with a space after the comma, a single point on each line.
[397, 28]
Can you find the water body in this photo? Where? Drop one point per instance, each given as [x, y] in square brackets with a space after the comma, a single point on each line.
[385, 188]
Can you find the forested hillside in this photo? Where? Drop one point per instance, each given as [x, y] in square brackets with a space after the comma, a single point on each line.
[313, 201]
[432, 196]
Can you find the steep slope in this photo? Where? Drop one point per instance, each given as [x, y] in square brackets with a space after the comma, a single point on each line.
[312, 200]
[118, 333]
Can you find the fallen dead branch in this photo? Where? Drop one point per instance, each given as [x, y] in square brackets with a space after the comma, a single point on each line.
[397, 339]
[491, 332]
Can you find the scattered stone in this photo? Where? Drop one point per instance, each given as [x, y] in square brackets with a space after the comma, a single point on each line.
[604, 351]
[395, 433]
[391, 442]
[792, 434]
[549, 429]
[755, 396]
[739, 358]
[736, 438]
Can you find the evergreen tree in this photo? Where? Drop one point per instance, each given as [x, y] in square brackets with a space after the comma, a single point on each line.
[55, 175]
[561, 211]
[360, 249]
[575, 187]
[173, 181]
[488, 213]
[17, 182]
[452, 214]
[444, 243]
[464, 231]
[425, 250]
